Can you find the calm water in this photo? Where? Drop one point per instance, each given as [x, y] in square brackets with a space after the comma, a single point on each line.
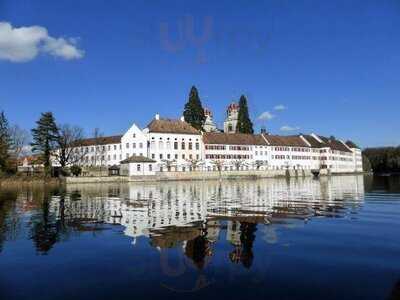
[336, 238]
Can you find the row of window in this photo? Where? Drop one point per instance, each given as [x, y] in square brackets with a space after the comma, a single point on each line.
[228, 156]
[176, 145]
[97, 148]
[140, 145]
[175, 139]
[223, 147]
[139, 167]
[298, 157]
[261, 153]
[240, 148]
[215, 147]
[299, 149]
[168, 156]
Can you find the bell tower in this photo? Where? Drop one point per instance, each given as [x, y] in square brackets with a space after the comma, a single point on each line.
[209, 125]
[231, 118]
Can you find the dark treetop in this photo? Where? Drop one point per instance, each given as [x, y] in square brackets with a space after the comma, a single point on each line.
[45, 137]
[194, 112]
[244, 124]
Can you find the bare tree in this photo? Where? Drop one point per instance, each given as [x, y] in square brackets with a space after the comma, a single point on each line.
[168, 164]
[194, 163]
[219, 164]
[99, 149]
[19, 143]
[69, 142]
[258, 164]
[238, 163]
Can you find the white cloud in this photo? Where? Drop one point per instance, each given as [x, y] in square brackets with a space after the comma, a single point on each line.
[280, 107]
[289, 128]
[26, 43]
[265, 116]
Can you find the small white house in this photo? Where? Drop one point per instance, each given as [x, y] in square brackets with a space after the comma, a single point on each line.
[138, 165]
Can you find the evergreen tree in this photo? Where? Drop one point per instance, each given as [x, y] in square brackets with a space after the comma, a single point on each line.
[244, 124]
[45, 136]
[194, 112]
[5, 142]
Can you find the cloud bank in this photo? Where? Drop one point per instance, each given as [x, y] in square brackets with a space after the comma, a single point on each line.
[24, 44]
[265, 116]
[289, 128]
[280, 107]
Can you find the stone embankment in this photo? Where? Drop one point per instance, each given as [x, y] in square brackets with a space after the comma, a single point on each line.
[173, 176]
[176, 176]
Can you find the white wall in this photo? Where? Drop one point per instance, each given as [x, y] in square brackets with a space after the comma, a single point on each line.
[134, 142]
[162, 147]
[138, 169]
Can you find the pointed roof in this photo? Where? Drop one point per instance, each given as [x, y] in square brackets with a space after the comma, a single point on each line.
[282, 140]
[314, 142]
[352, 145]
[335, 144]
[325, 142]
[137, 159]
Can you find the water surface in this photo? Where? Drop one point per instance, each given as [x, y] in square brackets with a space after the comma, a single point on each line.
[332, 238]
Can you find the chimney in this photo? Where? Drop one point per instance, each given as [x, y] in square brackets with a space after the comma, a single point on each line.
[263, 130]
[182, 119]
[157, 117]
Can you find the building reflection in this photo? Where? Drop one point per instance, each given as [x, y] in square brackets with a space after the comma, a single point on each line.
[196, 215]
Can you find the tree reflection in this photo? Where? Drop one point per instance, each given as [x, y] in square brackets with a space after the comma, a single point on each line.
[197, 250]
[8, 217]
[46, 228]
[395, 294]
[243, 251]
[44, 231]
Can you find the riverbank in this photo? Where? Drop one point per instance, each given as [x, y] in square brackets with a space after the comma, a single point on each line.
[16, 181]
[192, 176]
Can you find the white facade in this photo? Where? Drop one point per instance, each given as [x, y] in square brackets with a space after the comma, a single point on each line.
[231, 120]
[176, 146]
[209, 125]
[134, 143]
[174, 152]
[138, 169]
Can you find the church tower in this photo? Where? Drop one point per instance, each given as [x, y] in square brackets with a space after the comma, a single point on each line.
[231, 120]
[209, 125]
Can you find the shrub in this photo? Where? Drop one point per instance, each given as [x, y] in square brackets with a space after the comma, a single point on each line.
[76, 171]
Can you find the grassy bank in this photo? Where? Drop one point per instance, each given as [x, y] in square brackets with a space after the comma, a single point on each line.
[29, 180]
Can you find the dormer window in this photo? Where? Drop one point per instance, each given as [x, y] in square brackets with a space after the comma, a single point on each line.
[134, 135]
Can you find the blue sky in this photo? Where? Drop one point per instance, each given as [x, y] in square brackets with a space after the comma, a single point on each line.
[333, 65]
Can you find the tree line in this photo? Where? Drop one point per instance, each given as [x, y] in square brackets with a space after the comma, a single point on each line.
[13, 140]
[383, 159]
[49, 141]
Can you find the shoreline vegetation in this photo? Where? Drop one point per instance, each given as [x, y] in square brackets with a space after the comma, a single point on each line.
[384, 160]
[16, 180]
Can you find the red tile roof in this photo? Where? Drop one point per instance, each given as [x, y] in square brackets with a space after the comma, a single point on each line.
[106, 140]
[233, 139]
[335, 144]
[171, 126]
[137, 159]
[290, 140]
[352, 145]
